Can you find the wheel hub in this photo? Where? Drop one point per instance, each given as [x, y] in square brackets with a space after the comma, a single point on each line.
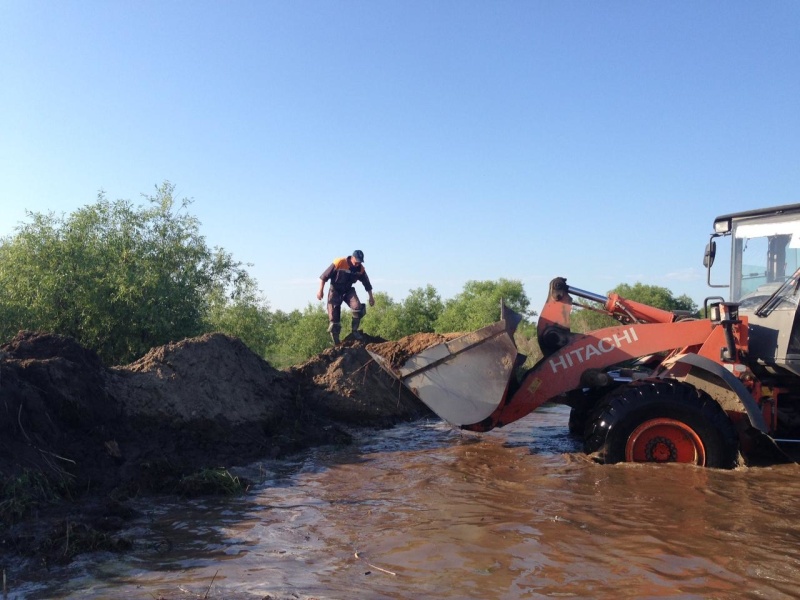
[661, 449]
[665, 440]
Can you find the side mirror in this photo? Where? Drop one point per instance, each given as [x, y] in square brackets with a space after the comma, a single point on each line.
[711, 252]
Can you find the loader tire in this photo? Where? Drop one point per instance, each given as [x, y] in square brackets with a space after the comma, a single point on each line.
[583, 405]
[577, 420]
[661, 421]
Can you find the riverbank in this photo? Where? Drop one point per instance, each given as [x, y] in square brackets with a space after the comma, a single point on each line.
[78, 439]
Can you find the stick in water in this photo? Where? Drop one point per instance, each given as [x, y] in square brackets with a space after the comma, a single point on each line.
[374, 567]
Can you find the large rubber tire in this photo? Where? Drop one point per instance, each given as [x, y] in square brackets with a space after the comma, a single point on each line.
[583, 405]
[661, 421]
[577, 419]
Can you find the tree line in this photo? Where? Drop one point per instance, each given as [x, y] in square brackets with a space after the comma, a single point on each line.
[122, 279]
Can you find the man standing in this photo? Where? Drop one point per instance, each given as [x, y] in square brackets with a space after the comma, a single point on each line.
[343, 273]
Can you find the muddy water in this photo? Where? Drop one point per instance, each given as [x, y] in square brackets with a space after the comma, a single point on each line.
[423, 511]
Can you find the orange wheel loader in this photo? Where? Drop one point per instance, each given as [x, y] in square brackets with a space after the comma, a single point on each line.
[660, 386]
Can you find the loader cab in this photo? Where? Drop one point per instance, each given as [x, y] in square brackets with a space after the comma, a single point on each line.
[764, 279]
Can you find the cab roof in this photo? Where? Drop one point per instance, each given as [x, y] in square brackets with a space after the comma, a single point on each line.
[760, 212]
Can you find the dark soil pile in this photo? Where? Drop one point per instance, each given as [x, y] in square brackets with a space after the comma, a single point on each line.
[199, 403]
[56, 416]
[107, 434]
[345, 384]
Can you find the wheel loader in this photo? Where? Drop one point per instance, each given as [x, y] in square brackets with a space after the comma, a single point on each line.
[658, 386]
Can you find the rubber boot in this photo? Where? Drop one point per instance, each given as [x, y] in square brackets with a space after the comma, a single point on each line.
[334, 329]
[355, 333]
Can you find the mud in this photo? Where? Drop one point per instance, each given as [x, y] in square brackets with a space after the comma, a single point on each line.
[344, 384]
[103, 435]
[397, 353]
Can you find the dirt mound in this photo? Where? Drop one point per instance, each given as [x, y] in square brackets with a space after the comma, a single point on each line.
[397, 353]
[28, 345]
[106, 434]
[344, 383]
[202, 402]
[210, 377]
[55, 413]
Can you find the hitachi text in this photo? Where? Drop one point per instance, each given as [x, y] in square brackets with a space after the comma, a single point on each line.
[584, 353]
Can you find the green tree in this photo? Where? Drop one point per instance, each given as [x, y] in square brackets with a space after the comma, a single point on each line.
[420, 311]
[118, 278]
[298, 336]
[478, 305]
[244, 314]
[384, 319]
[416, 314]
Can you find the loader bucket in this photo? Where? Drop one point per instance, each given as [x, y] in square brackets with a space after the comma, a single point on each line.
[463, 380]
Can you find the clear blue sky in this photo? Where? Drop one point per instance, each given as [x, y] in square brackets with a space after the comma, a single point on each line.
[449, 140]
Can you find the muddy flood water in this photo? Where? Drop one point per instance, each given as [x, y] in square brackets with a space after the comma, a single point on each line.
[427, 511]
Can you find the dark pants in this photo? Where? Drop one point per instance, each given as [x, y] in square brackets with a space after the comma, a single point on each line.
[335, 300]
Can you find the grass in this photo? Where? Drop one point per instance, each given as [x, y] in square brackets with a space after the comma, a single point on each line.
[68, 539]
[217, 481]
[22, 494]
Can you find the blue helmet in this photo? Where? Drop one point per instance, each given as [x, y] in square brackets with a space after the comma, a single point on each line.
[358, 255]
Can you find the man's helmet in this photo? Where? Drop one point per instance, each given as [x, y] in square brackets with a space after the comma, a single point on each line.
[358, 255]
